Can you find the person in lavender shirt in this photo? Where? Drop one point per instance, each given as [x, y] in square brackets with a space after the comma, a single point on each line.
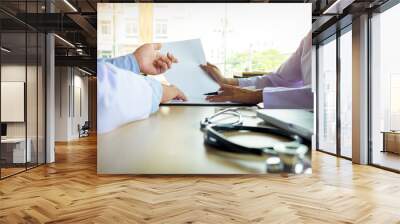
[287, 88]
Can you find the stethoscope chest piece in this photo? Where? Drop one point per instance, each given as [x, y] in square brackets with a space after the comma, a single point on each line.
[273, 165]
[292, 156]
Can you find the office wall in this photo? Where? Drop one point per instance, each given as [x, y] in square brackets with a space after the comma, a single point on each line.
[17, 73]
[71, 102]
[13, 98]
[62, 81]
[80, 109]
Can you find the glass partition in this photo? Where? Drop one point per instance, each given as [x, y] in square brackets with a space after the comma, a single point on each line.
[385, 89]
[14, 145]
[41, 107]
[32, 95]
[22, 67]
[327, 96]
[34, 49]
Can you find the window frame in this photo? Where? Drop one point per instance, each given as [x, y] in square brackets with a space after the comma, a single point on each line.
[333, 37]
[342, 32]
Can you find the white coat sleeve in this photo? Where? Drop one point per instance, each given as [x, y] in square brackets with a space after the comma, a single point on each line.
[123, 96]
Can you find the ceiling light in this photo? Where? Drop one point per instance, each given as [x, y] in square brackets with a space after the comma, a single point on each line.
[5, 50]
[70, 5]
[84, 71]
[64, 40]
[338, 6]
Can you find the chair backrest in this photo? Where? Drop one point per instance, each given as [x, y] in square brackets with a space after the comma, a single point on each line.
[86, 125]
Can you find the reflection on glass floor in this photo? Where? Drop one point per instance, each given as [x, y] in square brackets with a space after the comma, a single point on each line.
[386, 159]
[5, 172]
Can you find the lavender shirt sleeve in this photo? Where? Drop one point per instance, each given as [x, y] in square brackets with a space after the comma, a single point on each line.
[291, 82]
[294, 72]
[288, 98]
[289, 74]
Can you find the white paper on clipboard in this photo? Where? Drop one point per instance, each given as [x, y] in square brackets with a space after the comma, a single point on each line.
[187, 74]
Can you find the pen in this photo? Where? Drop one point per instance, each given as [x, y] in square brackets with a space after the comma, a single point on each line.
[211, 94]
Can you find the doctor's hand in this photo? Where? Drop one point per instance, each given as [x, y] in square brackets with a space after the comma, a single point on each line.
[237, 94]
[215, 74]
[151, 61]
[172, 93]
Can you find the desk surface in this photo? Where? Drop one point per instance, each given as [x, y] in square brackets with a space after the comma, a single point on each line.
[13, 140]
[171, 142]
[390, 132]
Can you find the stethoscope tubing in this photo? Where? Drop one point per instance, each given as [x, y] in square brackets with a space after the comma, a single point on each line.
[214, 137]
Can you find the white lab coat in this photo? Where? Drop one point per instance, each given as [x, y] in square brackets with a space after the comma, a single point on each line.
[123, 95]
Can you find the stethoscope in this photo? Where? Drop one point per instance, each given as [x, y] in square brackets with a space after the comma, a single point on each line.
[230, 111]
[286, 157]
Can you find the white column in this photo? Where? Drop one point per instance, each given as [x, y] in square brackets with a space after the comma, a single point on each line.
[50, 92]
[50, 99]
[360, 90]
[314, 89]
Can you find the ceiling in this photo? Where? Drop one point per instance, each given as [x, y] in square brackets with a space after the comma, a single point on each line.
[75, 22]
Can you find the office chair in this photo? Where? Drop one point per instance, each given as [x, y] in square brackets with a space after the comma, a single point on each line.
[84, 130]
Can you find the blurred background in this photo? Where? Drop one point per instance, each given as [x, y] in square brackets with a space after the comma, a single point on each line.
[235, 37]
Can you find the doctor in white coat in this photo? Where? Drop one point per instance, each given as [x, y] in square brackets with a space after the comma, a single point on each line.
[124, 95]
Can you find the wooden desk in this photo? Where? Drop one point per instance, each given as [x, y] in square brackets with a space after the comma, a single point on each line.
[13, 150]
[171, 142]
[391, 141]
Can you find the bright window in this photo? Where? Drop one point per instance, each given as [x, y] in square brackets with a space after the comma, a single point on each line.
[161, 29]
[327, 96]
[385, 84]
[236, 37]
[105, 27]
[346, 94]
[131, 28]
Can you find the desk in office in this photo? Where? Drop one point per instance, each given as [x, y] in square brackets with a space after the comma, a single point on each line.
[18, 153]
[391, 141]
[171, 142]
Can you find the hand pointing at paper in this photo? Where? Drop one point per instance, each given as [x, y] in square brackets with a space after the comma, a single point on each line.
[215, 73]
[151, 61]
